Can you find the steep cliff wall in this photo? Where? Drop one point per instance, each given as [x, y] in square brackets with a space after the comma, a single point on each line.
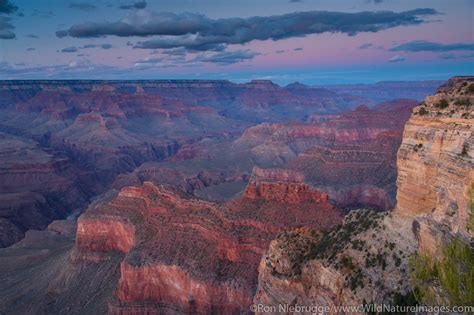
[436, 164]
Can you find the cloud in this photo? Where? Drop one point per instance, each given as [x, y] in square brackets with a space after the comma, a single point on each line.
[374, 1]
[365, 46]
[32, 36]
[30, 49]
[81, 63]
[227, 57]
[422, 45]
[296, 0]
[69, 49]
[103, 46]
[279, 51]
[136, 5]
[5, 28]
[453, 56]
[83, 6]
[298, 49]
[149, 60]
[188, 42]
[7, 7]
[199, 32]
[175, 52]
[396, 58]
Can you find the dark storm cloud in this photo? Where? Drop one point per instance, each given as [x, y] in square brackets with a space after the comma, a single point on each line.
[228, 57]
[7, 7]
[421, 45]
[198, 32]
[83, 6]
[136, 5]
[5, 28]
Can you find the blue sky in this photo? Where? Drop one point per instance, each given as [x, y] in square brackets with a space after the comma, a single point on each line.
[311, 41]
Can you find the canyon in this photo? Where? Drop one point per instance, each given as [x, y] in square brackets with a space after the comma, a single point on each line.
[85, 137]
[196, 197]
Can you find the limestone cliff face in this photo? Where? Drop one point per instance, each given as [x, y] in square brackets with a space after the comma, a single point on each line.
[365, 259]
[436, 164]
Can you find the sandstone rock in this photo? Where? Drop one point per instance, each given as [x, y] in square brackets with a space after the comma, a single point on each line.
[188, 254]
[436, 165]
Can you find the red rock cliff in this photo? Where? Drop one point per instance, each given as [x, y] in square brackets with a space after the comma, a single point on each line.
[188, 255]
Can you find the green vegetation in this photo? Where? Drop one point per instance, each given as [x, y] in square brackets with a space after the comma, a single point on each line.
[470, 88]
[442, 104]
[453, 274]
[355, 280]
[470, 222]
[422, 111]
[335, 240]
[418, 146]
[463, 102]
[464, 150]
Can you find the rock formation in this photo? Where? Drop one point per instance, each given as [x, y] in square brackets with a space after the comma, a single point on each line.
[351, 157]
[184, 255]
[365, 260]
[35, 188]
[436, 164]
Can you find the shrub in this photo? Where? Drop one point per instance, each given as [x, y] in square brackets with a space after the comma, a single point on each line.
[442, 104]
[463, 102]
[422, 111]
[453, 273]
[470, 222]
[470, 88]
[464, 150]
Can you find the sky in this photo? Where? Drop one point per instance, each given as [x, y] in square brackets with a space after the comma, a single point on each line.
[309, 41]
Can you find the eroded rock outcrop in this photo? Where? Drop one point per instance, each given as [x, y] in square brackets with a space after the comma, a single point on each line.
[185, 255]
[281, 185]
[358, 262]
